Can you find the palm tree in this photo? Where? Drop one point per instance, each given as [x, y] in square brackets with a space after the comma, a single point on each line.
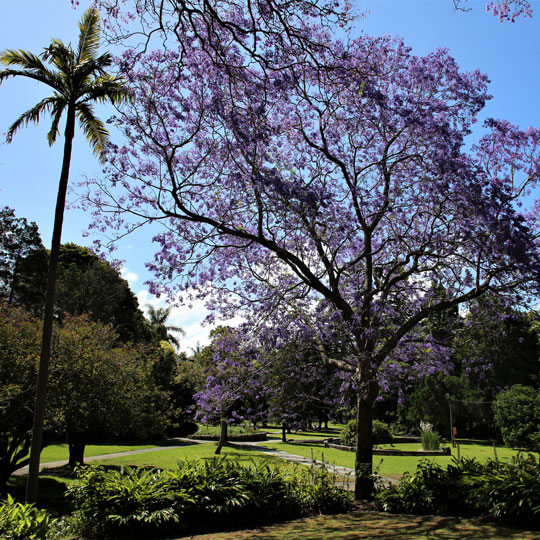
[78, 79]
[157, 320]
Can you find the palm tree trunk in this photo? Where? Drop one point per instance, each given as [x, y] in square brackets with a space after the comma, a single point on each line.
[48, 316]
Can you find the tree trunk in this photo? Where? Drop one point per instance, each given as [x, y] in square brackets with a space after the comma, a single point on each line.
[283, 432]
[364, 486]
[222, 436]
[76, 444]
[76, 453]
[48, 315]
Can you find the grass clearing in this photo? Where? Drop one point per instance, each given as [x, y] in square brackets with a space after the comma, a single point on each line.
[391, 466]
[60, 452]
[374, 525]
[167, 459]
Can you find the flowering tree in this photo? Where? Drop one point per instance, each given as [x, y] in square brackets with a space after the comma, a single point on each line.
[323, 188]
[235, 387]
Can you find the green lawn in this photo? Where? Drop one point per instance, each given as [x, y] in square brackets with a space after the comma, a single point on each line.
[391, 466]
[168, 458]
[379, 526]
[60, 452]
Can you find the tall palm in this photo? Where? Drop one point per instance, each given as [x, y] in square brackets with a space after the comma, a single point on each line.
[157, 319]
[78, 79]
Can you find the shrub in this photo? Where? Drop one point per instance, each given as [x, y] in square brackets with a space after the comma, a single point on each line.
[509, 491]
[23, 521]
[380, 430]
[381, 433]
[517, 416]
[151, 501]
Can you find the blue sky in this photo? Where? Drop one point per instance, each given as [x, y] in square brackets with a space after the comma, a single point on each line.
[29, 168]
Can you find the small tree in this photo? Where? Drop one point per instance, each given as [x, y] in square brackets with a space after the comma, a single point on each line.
[517, 415]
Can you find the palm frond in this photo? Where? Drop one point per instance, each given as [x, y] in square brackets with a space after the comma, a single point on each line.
[31, 115]
[23, 59]
[108, 89]
[56, 114]
[90, 35]
[95, 68]
[32, 67]
[94, 129]
[60, 55]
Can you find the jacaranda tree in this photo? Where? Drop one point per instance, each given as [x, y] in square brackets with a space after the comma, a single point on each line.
[78, 79]
[318, 186]
[338, 199]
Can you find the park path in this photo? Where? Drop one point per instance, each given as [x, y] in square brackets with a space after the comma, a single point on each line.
[345, 472]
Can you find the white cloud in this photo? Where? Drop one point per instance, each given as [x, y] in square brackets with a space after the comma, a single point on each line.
[190, 319]
[130, 277]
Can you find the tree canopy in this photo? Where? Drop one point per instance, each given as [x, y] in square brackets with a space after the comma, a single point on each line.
[319, 187]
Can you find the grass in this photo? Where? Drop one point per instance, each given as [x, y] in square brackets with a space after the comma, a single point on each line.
[373, 525]
[356, 525]
[60, 452]
[167, 459]
[391, 466]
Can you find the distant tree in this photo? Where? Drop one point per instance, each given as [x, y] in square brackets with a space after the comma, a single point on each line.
[235, 388]
[99, 388]
[159, 328]
[79, 80]
[19, 353]
[102, 389]
[498, 346]
[18, 241]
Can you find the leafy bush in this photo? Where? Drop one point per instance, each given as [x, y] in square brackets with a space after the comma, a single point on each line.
[508, 491]
[23, 521]
[517, 416]
[380, 430]
[152, 501]
[381, 433]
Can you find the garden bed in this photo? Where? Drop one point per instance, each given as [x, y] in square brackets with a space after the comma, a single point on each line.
[329, 443]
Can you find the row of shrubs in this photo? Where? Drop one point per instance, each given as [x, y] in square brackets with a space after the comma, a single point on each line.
[151, 502]
[507, 491]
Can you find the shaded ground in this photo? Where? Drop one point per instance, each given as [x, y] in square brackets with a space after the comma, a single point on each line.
[378, 526]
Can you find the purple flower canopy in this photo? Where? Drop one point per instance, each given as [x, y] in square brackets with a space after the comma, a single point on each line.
[321, 188]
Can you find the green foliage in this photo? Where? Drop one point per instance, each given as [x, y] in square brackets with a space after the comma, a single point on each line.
[507, 491]
[23, 521]
[97, 386]
[517, 415]
[244, 432]
[152, 501]
[429, 438]
[380, 430]
[19, 353]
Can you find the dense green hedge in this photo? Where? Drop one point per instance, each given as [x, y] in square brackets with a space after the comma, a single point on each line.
[508, 491]
[145, 503]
